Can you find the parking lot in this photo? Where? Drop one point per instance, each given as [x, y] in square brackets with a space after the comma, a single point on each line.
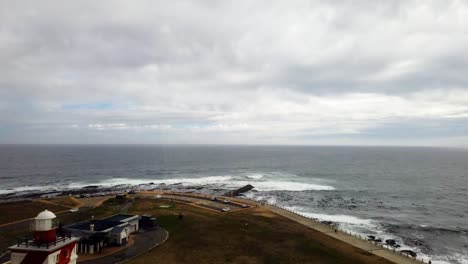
[217, 203]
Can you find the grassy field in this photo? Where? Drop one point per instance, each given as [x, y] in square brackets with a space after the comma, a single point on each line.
[22, 210]
[25, 209]
[248, 236]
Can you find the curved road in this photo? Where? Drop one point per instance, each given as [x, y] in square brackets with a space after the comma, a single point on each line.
[143, 242]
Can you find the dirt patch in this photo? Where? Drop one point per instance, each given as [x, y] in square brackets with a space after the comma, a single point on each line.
[93, 202]
[65, 201]
[263, 212]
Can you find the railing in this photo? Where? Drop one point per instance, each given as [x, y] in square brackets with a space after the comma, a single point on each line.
[29, 241]
[364, 238]
[33, 226]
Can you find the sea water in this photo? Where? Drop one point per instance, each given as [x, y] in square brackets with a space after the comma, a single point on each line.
[418, 196]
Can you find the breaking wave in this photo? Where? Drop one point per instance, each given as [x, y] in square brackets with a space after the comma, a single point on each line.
[285, 186]
[255, 176]
[259, 181]
[210, 180]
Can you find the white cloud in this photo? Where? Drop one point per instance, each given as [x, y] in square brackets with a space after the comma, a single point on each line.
[223, 72]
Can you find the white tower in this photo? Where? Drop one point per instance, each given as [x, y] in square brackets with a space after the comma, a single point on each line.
[45, 246]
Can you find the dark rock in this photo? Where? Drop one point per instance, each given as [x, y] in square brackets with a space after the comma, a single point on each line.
[91, 187]
[390, 242]
[409, 252]
[371, 238]
[239, 191]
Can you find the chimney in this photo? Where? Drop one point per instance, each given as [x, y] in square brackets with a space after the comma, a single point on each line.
[91, 227]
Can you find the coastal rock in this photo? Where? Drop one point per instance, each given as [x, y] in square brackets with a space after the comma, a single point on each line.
[239, 191]
[409, 252]
[391, 242]
[91, 187]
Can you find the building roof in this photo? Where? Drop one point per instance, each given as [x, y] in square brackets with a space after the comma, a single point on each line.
[45, 215]
[119, 229]
[99, 225]
[103, 224]
[122, 218]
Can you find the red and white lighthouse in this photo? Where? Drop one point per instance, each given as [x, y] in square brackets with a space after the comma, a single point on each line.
[46, 245]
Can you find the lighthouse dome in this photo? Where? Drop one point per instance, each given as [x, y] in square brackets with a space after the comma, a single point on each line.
[45, 215]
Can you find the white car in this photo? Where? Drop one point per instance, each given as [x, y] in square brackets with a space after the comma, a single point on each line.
[74, 210]
[226, 209]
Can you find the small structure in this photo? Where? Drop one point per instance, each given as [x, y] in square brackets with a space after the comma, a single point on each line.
[47, 245]
[148, 222]
[96, 234]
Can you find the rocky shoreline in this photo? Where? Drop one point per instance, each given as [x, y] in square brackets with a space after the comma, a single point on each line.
[99, 190]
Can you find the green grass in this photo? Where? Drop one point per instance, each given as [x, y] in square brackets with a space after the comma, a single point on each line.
[204, 236]
[8, 234]
[25, 209]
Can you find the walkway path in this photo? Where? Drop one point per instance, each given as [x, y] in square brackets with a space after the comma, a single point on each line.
[362, 244]
[143, 242]
[349, 239]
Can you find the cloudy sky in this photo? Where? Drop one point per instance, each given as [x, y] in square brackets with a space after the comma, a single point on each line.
[234, 72]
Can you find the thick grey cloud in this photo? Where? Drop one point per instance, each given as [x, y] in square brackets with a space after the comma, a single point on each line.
[256, 72]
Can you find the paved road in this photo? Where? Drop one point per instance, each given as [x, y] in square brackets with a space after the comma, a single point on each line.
[143, 242]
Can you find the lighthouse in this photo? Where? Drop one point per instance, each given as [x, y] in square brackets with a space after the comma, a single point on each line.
[46, 244]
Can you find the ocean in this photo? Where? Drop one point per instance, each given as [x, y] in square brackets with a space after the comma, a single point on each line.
[418, 196]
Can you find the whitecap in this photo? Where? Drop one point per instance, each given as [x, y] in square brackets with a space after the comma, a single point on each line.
[346, 219]
[184, 181]
[281, 186]
[255, 176]
[25, 189]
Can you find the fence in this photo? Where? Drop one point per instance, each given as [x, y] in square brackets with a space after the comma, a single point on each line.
[364, 238]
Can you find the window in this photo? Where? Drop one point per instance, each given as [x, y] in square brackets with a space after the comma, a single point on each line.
[57, 258]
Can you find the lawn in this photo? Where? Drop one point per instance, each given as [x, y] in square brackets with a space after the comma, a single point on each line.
[22, 210]
[248, 236]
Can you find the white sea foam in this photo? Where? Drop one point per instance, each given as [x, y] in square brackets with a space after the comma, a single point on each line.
[338, 218]
[357, 226]
[255, 176]
[25, 189]
[347, 219]
[184, 181]
[282, 186]
[222, 181]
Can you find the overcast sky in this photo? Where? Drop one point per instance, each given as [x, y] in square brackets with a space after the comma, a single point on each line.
[234, 72]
